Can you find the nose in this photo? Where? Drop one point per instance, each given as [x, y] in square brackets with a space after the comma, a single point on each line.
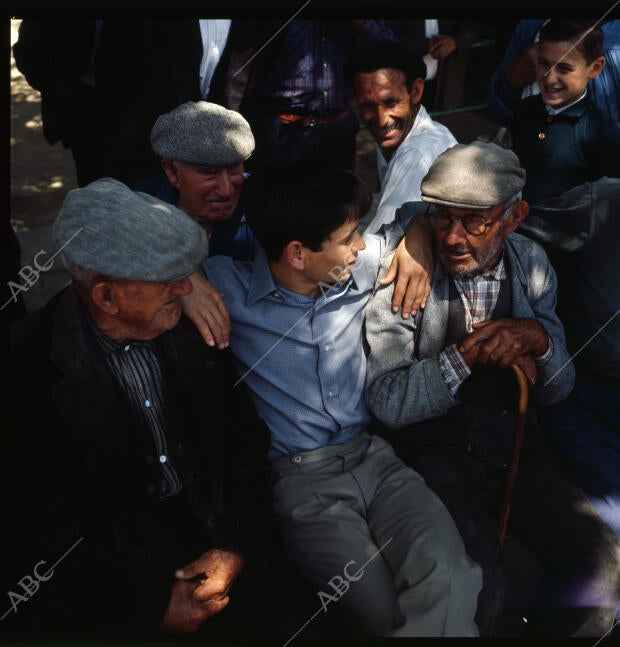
[182, 287]
[382, 115]
[455, 232]
[551, 75]
[358, 242]
[224, 185]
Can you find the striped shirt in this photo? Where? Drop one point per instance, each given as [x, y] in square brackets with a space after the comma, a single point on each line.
[136, 368]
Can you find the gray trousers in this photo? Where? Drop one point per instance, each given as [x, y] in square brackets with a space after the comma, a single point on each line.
[368, 532]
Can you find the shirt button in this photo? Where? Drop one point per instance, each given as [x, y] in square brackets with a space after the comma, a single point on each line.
[331, 394]
[296, 459]
[163, 458]
[127, 347]
[327, 347]
[324, 66]
[476, 319]
[325, 93]
[541, 135]
[147, 403]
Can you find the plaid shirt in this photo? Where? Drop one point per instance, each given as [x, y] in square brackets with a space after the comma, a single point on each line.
[309, 70]
[479, 296]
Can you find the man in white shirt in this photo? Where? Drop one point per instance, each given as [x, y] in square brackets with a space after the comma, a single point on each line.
[388, 81]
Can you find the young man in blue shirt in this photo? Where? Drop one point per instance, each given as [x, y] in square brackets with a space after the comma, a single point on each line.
[355, 520]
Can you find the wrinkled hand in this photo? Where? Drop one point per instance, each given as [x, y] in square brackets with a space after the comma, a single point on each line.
[413, 264]
[528, 366]
[441, 47]
[522, 71]
[221, 568]
[503, 341]
[185, 613]
[205, 307]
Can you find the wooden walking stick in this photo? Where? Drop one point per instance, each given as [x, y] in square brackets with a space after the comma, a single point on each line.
[511, 478]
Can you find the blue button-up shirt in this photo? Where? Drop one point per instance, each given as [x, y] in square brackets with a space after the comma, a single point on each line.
[302, 358]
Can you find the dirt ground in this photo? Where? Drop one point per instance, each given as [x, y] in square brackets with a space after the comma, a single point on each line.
[41, 175]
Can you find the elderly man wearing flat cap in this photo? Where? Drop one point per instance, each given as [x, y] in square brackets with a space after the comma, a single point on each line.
[440, 380]
[203, 147]
[139, 485]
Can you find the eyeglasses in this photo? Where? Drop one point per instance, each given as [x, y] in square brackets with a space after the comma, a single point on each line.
[474, 224]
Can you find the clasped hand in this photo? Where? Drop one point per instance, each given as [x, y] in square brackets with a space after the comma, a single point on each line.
[503, 342]
[201, 590]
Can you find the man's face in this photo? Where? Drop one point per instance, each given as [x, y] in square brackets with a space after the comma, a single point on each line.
[464, 255]
[386, 106]
[337, 256]
[147, 309]
[562, 73]
[208, 195]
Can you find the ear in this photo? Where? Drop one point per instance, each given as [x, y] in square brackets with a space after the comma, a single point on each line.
[596, 67]
[104, 297]
[519, 211]
[171, 171]
[294, 255]
[417, 90]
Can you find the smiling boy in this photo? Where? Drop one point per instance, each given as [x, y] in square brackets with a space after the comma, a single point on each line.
[561, 137]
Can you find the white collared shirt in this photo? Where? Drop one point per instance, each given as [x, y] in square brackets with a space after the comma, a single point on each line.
[401, 178]
[214, 35]
[557, 111]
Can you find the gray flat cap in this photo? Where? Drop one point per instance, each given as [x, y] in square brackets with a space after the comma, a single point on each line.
[474, 176]
[204, 134]
[109, 228]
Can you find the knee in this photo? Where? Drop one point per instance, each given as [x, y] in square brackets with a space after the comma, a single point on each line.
[449, 567]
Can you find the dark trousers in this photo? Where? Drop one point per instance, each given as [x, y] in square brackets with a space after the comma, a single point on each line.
[550, 517]
[585, 430]
[278, 141]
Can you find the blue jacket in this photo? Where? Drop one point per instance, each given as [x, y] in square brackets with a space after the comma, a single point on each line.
[232, 237]
[562, 151]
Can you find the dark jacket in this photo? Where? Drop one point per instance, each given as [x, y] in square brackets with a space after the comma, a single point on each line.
[78, 469]
[248, 57]
[143, 68]
[582, 229]
[559, 152]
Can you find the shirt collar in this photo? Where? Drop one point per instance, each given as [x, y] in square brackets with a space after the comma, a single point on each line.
[497, 273]
[262, 282]
[553, 111]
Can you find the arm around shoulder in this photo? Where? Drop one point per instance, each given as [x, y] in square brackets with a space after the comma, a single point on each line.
[400, 390]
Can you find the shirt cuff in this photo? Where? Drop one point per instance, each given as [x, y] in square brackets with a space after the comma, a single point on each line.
[454, 368]
[546, 356]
